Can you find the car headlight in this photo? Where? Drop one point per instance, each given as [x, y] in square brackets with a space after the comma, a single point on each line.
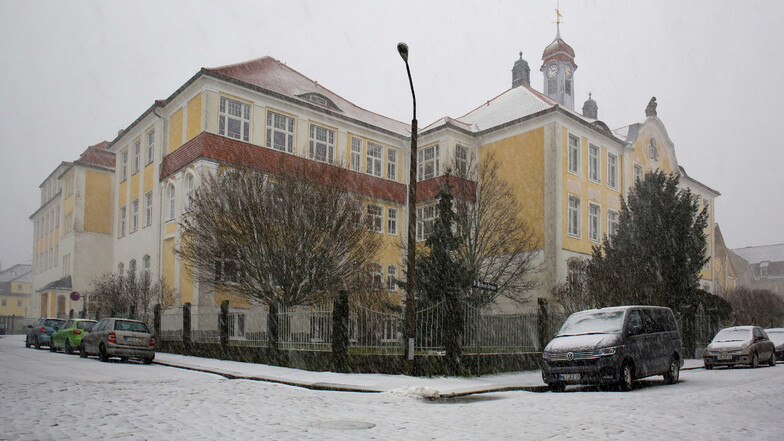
[604, 352]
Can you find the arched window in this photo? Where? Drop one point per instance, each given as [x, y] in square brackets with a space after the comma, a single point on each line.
[120, 270]
[392, 278]
[172, 199]
[132, 267]
[146, 268]
[189, 184]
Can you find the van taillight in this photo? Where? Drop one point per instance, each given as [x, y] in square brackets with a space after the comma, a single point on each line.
[152, 341]
[112, 337]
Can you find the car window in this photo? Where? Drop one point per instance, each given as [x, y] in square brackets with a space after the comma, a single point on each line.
[54, 323]
[100, 326]
[758, 333]
[635, 320]
[85, 325]
[732, 334]
[123, 325]
[67, 324]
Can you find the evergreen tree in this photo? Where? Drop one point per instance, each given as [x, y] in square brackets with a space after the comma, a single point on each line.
[658, 251]
[442, 278]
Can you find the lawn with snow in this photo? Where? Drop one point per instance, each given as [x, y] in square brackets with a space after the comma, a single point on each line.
[57, 396]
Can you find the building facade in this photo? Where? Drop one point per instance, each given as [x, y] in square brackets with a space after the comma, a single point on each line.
[15, 288]
[569, 170]
[72, 242]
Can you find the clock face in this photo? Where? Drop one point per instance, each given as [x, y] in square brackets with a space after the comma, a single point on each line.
[552, 71]
[568, 71]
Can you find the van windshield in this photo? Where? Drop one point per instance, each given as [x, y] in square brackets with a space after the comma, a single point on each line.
[595, 322]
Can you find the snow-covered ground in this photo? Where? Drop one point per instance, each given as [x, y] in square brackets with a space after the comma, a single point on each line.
[49, 396]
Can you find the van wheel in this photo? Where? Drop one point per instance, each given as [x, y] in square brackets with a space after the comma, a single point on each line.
[772, 361]
[754, 361]
[672, 375]
[556, 387]
[627, 377]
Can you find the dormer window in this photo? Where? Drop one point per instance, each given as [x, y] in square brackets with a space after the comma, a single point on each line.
[764, 269]
[319, 99]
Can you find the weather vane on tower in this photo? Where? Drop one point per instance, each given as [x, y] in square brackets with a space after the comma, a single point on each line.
[558, 18]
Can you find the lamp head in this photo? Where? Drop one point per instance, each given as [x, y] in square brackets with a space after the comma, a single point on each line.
[402, 49]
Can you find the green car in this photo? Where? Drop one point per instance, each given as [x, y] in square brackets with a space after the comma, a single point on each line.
[69, 336]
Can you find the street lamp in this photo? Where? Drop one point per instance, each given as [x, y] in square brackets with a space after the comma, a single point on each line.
[409, 330]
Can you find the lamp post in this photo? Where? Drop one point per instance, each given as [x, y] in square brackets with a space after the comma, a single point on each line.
[410, 314]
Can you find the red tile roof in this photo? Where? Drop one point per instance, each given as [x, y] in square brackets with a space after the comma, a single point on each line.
[230, 151]
[461, 188]
[97, 155]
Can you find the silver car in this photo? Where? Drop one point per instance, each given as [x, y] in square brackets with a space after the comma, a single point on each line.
[119, 337]
[747, 345]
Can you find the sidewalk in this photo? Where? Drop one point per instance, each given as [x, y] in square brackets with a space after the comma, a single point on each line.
[433, 387]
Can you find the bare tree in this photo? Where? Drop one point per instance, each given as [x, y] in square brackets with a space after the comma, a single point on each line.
[573, 294]
[759, 307]
[275, 240]
[499, 247]
[129, 295]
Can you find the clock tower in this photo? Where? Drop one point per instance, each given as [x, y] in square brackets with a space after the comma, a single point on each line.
[558, 68]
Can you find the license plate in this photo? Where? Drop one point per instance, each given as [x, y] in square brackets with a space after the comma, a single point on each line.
[724, 357]
[569, 377]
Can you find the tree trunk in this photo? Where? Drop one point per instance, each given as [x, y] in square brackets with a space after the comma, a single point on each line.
[340, 333]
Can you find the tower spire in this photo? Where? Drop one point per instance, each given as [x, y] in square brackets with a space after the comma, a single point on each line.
[558, 17]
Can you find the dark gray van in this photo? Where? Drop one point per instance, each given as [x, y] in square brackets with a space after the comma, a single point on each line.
[614, 346]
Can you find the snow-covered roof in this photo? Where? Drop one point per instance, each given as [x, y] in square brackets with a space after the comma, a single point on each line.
[270, 74]
[15, 272]
[764, 253]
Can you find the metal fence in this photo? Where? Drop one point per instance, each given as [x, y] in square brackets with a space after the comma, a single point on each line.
[370, 331]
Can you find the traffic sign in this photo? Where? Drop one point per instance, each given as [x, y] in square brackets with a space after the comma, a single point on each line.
[75, 296]
[487, 286]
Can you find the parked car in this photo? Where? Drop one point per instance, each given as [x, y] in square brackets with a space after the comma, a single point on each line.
[776, 335]
[40, 333]
[614, 346]
[119, 337]
[737, 345]
[69, 336]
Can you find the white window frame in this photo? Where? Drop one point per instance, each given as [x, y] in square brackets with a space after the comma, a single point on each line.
[190, 181]
[574, 217]
[234, 112]
[148, 209]
[574, 155]
[121, 227]
[375, 215]
[171, 192]
[145, 274]
[613, 221]
[638, 171]
[322, 138]
[375, 156]
[356, 153]
[612, 171]
[392, 221]
[283, 125]
[426, 216]
[392, 164]
[134, 215]
[236, 326]
[594, 163]
[461, 159]
[391, 278]
[428, 163]
[137, 156]
[124, 165]
[376, 276]
[150, 145]
[594, 222]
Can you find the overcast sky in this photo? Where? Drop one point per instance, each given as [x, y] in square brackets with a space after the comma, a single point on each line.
[73, 73]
